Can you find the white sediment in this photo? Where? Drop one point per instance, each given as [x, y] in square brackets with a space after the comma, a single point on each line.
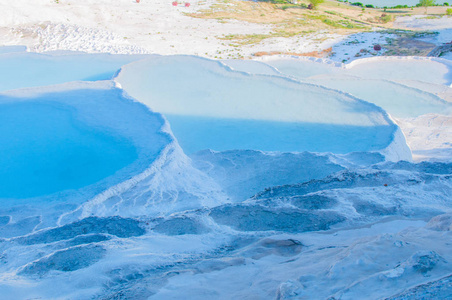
[240, 223]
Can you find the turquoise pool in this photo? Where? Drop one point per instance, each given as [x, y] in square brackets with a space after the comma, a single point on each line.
[45, 150]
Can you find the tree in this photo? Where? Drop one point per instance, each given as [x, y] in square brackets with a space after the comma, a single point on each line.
[426, 3]
[314, 3]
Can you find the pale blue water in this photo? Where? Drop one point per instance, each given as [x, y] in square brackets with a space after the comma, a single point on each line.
[198, 133]
[24, 69]
[12, 49]
[44, 150]
[300, 68]
[410, 102]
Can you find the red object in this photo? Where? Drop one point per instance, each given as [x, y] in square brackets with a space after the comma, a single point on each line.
[138, 1]
[175, 3]
[187, 4]
[377, 47]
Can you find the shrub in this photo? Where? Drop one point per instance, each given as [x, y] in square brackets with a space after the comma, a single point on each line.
[370, 6]
[358, 4]
[426, 3]
[449, 12]
[313, 4]
[386, 18]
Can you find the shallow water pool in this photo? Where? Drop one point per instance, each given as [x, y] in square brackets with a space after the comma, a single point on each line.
[24, 69]
[45, 149]
[70, 142]
[208, 106]
[198, 133]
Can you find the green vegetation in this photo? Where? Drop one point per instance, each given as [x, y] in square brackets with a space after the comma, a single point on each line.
[313, 4]
[341, 24]
[449, 12]
[276, 1]
[288, 19]
[336, 24]
[245, 39]
[385, 18]
[426, 3]
[287, 6]
[332, 13]
[248, 39]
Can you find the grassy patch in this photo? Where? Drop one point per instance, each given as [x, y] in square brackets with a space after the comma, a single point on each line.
[249, 39]
[286, 19]
[432, 17]
[338, 23]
